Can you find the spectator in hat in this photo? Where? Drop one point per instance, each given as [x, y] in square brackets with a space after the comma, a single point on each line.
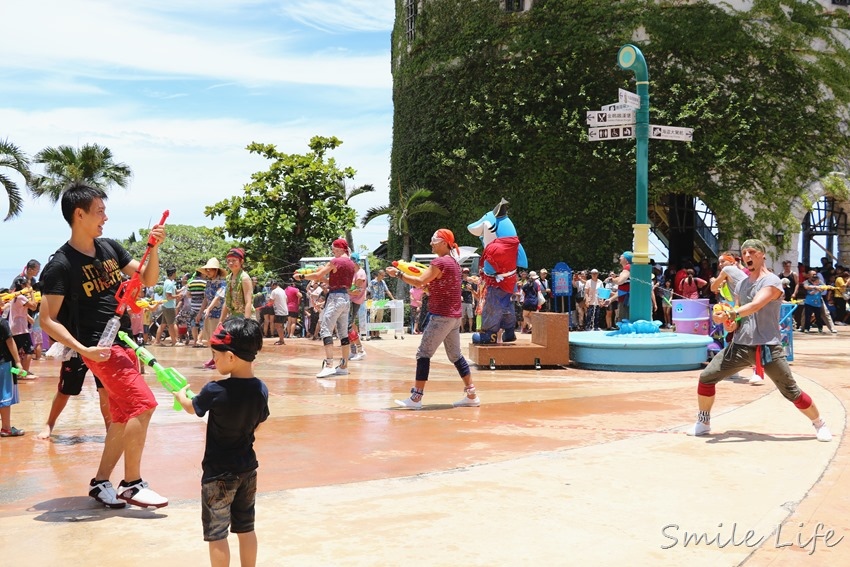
[530, 290]
[592, 301]
[547, 291]
[210, 308]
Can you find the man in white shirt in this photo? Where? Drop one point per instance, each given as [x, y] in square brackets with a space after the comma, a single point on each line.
[281, 311]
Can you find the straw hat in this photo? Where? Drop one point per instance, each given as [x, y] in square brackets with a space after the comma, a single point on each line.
[213, 264]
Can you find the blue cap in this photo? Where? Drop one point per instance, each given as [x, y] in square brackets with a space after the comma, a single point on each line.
[628, 256]
[355, 256]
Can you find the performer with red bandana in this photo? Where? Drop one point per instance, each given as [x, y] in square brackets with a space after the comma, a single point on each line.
[443, 278]
[340, 273]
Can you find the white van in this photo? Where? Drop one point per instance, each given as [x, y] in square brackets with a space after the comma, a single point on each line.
[470, 262]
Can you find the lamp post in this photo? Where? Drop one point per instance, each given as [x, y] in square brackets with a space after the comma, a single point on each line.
[630, 58]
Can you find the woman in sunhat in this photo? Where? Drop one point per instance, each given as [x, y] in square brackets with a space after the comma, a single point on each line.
[214, 275]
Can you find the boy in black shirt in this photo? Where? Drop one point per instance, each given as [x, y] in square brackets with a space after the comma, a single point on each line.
[237, 405]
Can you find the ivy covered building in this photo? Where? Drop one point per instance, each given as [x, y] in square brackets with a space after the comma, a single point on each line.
[491, 99]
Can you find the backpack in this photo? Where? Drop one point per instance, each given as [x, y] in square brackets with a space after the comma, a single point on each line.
[580, 293]
[529, 291]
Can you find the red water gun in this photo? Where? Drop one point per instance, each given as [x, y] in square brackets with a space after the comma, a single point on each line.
[129, 290]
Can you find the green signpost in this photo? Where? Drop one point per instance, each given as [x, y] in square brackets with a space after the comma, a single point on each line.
[629, 118]
[631, 59]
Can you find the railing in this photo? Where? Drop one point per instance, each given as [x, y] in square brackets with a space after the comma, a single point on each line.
[703, 231]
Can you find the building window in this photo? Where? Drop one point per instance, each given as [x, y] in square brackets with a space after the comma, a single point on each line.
[410, 18]
[515, 5]
[841, 2]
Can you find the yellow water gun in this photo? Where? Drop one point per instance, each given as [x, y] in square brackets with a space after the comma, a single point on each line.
[7, 297]
[307, 269]
[410, 268]
[148, 303]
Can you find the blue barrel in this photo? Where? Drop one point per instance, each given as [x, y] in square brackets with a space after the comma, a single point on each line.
[786, 327]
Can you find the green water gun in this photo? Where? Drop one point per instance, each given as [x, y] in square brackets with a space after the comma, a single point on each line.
[170, 379]
[17, 371]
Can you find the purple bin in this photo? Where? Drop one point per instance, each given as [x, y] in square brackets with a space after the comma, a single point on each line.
[691, 316]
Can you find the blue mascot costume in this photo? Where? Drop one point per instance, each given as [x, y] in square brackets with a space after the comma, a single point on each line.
[502, 255]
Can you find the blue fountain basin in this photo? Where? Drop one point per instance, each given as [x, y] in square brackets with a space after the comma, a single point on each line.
[655, 352]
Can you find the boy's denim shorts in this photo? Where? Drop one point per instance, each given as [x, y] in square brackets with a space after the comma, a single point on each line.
[228, 501]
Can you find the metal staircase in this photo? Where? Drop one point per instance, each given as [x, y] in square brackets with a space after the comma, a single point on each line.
[704, 226]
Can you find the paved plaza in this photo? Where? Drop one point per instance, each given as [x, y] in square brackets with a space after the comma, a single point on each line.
[557, 467]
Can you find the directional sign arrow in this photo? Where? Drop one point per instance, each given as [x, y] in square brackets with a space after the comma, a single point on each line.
[600, 118]
[671, 133]
[630, 98]
[610, 133]
[615, 106]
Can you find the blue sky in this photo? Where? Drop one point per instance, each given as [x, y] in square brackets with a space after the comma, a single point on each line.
[177, 89]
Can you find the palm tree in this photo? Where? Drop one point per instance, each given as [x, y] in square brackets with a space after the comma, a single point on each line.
[13, 158]
[412, 201]
[348, 196]
[91, 164]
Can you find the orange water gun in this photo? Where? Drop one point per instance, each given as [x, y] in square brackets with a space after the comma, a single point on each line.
[730, 324]
[410, 268]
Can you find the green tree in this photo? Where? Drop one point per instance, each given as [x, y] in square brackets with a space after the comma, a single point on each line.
[293, 209]
[186, 247]
[349, 237]
[500, 100]
[12, 158]
[91, 164]
[412, 202]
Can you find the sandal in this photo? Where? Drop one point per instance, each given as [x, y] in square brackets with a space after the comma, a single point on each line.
[13, 432]
[278, 343]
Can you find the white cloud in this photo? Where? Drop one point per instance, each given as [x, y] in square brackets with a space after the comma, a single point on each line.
[360, 15]
[185, 165]
[108, 40]
[185, 141]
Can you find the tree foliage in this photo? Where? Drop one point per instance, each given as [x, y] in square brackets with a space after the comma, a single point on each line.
[410, 203]
[186, 247]
[295, 208]
[92, 164]
[12, 159]
[490, 104]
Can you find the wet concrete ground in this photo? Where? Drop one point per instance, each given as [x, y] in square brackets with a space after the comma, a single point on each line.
[557, 467]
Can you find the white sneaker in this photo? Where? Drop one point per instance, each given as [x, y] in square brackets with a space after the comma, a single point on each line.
[327, 370]
[698, 429]
[341, 371]
[409, 404]
[467, 402]
[358, 356]
[756, 380]
[823, 433]
[104, 492]
[138, 494]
